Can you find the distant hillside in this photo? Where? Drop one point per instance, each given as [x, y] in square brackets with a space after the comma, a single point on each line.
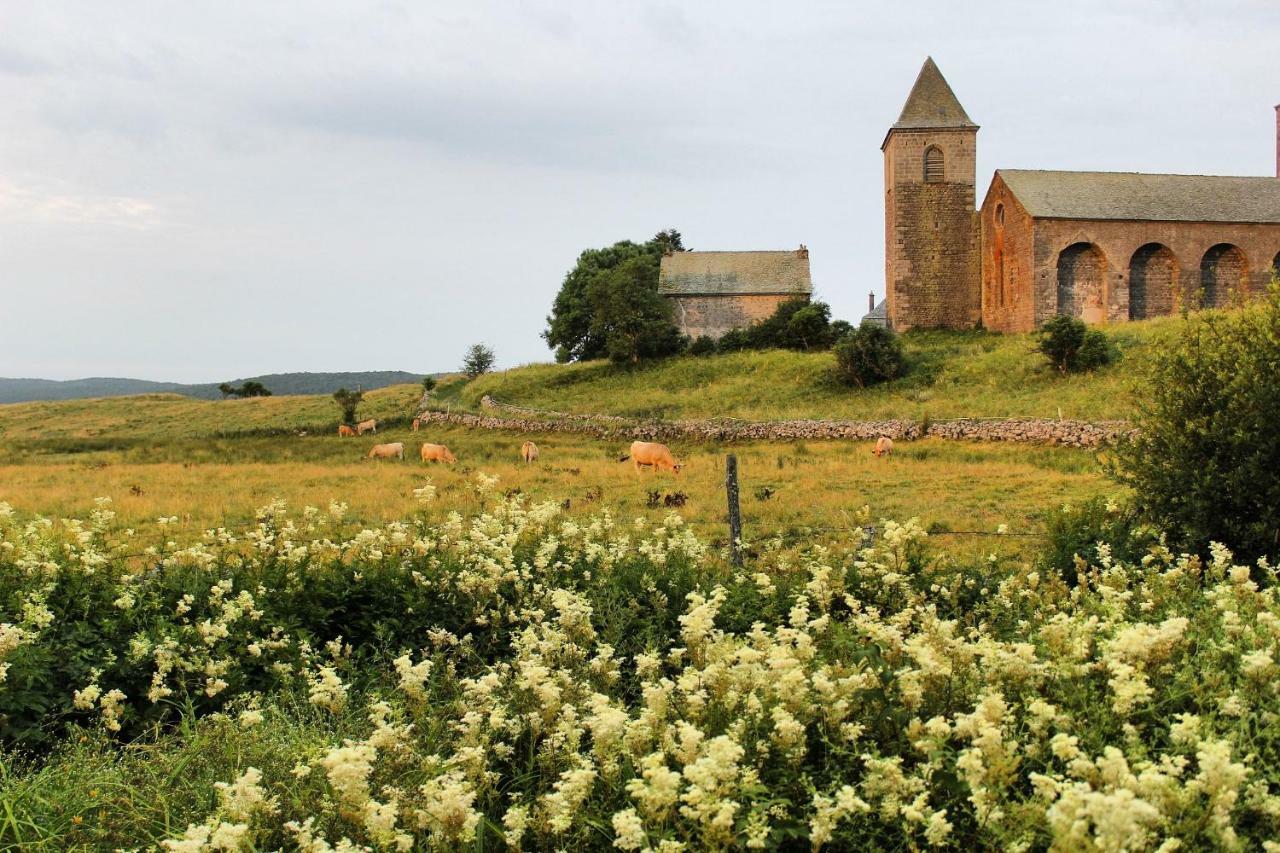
[36, 390]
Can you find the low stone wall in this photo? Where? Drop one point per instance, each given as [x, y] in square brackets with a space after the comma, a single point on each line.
[1031, 430]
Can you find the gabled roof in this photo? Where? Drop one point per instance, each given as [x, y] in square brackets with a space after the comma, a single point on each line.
[879, 315]
[735, 273]
[1141, 197]
[931, 103]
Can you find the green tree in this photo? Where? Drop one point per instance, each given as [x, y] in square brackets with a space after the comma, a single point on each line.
[348, 401]
[1071, 346]
[631, 318]
[477, 361]
[254, 389]
[868, 355]
[572, 330]
[1203, 463]
[227, 389]
[429, 384]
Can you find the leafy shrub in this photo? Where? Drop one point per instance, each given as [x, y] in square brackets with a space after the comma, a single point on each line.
[734, 340]
[1071, 346]
[348, 401]
[1074, 534]
[1204, 461]
[796, 323]
[702, 345]
[868, 355]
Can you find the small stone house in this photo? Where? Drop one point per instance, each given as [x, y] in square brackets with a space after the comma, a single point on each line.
[713, 292]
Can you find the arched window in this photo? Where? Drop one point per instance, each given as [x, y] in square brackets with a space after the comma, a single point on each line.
[1000, 214]
[934, 171]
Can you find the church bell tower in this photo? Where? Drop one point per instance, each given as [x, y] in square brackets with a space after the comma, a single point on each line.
[932, 273]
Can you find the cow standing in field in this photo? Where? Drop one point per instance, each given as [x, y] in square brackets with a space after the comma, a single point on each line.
[345, 430]
[370, 425]
[652, 453]
[529, 452]
[884, 446]
[386, 451]
[437, 453]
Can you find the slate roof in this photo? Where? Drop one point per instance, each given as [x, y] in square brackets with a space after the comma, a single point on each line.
[1141, 197]
[879, 315]
[931, 103]
[735, 273]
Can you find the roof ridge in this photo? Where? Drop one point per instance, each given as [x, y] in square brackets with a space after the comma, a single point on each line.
[1144, 174]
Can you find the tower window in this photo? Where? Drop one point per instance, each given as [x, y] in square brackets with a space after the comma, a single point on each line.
[933, 165]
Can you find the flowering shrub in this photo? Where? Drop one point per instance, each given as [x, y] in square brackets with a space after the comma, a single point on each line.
[525, 679]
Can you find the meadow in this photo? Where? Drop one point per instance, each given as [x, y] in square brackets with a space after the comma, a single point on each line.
[951, 375]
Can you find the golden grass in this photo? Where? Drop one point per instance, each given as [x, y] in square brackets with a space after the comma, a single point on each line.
[948, 485]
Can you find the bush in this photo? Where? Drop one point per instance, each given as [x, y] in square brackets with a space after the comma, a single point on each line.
[1203, 462]
[1071, 346]
[348, 401]
[734, 340]
[702, 345]
[1074, 534]
[868, 355]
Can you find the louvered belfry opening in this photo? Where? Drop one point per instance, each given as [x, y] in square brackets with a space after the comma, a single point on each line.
[934, 167]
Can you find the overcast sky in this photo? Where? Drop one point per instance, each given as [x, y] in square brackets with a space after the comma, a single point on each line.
[205, 190]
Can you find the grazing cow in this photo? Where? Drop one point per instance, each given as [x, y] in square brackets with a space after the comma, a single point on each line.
[370, 425]
[343, 429]
[884, 446]
[652, 453]
[386, 451]
[529, 452]
[437, 453]
[417, 422]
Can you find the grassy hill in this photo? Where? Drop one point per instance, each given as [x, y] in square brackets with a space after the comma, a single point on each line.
[952, 374]
[31, 390]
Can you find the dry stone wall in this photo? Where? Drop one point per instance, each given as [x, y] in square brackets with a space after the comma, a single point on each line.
[1031, 430]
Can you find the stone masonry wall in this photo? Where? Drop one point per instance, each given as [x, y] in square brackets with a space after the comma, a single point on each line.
[1033, 430]
[932, 269]
[715, 315]
[1119, 241]
[1008, 302]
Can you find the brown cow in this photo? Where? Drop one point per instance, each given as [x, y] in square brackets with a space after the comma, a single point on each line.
[652, 453]
[884, 446]
[386, 451]
[437, 453]
[370, 425]
[343, 429]
[417, 422]
[529, 452]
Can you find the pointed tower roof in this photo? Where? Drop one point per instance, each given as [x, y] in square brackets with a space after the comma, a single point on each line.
[931, 103]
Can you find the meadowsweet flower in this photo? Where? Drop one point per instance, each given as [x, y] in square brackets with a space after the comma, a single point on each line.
[628, 830]
[327, 690]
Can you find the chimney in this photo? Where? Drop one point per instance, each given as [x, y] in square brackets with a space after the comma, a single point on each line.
[871, 301]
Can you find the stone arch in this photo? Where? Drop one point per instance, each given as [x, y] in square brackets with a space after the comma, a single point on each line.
[1082, 282]
[1153, 278]
[935, 171]
[1275, 265]
[1224, 276]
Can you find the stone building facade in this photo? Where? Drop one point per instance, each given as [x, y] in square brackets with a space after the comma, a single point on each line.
[1103, 246]
[713, 292]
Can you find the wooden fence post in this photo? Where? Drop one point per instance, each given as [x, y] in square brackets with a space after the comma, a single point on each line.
[735, 513]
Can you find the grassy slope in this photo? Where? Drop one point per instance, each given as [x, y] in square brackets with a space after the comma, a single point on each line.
[952, 374]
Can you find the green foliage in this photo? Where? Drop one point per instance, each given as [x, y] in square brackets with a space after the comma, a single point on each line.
[868, 355]
[1071, 346]
[251, 388]
[429, 383]
[477, 361]
[573, 329]
[702, 345]
[734, 340]
[1074, 535]
[796, 324]
[629, 316]
[1204, 462]
[348, 401]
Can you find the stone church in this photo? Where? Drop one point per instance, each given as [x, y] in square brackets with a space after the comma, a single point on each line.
[713, 292]
[1103, 246]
